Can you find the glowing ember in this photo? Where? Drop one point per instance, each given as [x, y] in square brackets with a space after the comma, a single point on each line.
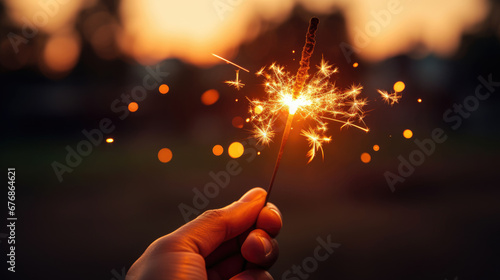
[110, 140]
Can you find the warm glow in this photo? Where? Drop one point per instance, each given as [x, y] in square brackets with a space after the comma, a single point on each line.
[133, 106]
[419, 100]
[365, 157]
[420, 27]
[238, 122]
[47, 16]
[110, 140]
[294, 104]
[235, 150]
[217, 150]
[165, 155]
[377, 29]
[399, 86]
[163, 89]
[408, 133]
[376, 148]
[355, 64]
[209, 97]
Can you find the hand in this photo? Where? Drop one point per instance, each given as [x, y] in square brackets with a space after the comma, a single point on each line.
[216, 244]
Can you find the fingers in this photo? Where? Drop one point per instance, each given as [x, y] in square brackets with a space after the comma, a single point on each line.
[259, 248]
[207, 232]
[270, 219]
[253, 274]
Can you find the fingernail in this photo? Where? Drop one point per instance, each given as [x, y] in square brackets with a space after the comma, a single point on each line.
[266, 244]
[252, 195]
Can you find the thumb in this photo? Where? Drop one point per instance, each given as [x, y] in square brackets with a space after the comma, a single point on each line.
[209, 230]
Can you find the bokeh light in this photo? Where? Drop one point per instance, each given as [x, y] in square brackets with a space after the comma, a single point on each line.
[376, 148]
[217, 150]
[399, 86]
[209, 97]
[365, 157]
[163, 89]
[235, 150]
[238, 122]
[165, 155]
[258, 109]
[408, 133]
[355, 64]
[133, 106]
[419, 100]
[150, 26]
[110, 140]
[61, 52]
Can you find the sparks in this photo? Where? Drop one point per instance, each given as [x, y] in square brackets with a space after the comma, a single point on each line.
[390, 98]
[264, 134]
[319, 101]
[230, 62]
[315, 142]
[237, 82]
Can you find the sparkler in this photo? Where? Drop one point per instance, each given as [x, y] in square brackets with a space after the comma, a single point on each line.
[310, 98]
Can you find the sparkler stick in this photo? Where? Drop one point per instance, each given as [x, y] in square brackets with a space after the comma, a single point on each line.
[298, 86]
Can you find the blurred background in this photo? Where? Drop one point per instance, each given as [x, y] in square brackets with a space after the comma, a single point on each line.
[65, 66]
